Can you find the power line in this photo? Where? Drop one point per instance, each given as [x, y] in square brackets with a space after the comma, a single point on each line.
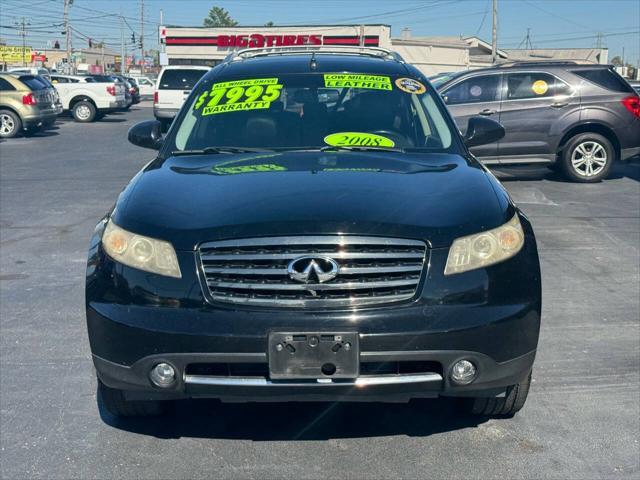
[484, 16]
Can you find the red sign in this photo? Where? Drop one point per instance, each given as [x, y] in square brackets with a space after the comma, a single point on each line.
[36, 57]
[257, 40]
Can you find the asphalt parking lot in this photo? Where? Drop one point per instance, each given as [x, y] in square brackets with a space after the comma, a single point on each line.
[582, 419]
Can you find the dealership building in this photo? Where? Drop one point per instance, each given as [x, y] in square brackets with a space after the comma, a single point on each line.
[432, 54]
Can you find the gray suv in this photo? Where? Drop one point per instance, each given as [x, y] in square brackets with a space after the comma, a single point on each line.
[574, 117]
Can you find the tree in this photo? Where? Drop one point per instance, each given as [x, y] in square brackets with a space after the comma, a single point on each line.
[617, 61]
[219, 17]
[269, 24]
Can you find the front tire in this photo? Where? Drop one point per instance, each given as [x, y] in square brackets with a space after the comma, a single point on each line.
[84, 112]
[506, 406]
[115, 403]
[10, 124]
[587, 158]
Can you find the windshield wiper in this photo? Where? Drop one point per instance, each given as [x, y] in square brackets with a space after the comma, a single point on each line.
[360, 148]
[214, 150]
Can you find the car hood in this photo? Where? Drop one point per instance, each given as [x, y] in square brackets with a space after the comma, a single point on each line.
[192, 199]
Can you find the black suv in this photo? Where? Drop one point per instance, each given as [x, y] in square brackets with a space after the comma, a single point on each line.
[576, 117]
[313, 227]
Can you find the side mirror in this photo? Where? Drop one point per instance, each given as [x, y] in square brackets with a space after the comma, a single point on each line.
[481, 130]
[146, 134]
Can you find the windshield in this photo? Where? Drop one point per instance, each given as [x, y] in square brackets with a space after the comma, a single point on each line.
[301, 111]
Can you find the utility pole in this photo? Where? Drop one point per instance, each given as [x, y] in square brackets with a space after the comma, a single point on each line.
[529, 45]
[122, 52]
[22, 25]
[599, 40]
[67, 31]
[142, 34]
[104, 70]
[494, 33]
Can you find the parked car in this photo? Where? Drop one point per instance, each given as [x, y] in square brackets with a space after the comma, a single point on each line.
[27, 105]
[146, 85]
[580, 118]
[88, 97]
[172, 88]
[134, 90]
[37, 71]
[127, 89]
[279, 250]
[635, 84]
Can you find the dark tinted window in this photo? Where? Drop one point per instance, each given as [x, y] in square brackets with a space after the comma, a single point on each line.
[101, 78]
[473, 90]
[59, 80]
[180, 79]
[34, 83]
[606, 78]
[5, 86]
[534, 85]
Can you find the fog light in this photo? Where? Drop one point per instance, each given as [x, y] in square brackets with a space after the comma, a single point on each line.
[163, 375]
[463, 372]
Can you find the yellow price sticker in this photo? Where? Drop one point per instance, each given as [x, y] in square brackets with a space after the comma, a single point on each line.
[249, 94]
[358, 139]
[540, 87]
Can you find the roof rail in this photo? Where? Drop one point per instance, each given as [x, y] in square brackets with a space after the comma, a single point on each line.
[533, 63]
[325, 50]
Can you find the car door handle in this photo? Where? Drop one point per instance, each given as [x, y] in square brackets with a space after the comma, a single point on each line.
[558, 104]
[487, 111]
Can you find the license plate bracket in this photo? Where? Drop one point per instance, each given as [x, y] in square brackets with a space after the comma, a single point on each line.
[313, 355]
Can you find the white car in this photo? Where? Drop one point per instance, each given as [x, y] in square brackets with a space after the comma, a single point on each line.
[89, 96]
[146, 86]
[172, 89]
[40, 71]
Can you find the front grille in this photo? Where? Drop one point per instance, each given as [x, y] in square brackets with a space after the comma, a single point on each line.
[371, 271]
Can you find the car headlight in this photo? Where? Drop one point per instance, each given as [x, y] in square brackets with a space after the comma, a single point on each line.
[485, 248]
[148, 254]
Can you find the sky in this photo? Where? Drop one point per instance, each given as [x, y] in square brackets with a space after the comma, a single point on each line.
[552, 23]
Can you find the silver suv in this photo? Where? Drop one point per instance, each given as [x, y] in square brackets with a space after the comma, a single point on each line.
[577, 118]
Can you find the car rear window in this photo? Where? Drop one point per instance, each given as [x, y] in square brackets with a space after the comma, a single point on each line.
[180, 79]
[101, 79]
[34, 83]
[605, 78]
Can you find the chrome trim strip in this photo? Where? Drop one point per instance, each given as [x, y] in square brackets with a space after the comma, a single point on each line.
[329, 302]
[283, 271]
[313, 286]
[313, 240]
[291, 256]
[320, 383]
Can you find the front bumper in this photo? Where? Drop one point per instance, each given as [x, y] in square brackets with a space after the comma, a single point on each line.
[492, 379]
[490, 316]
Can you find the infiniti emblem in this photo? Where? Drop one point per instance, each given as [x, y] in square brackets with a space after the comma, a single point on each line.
[312, 269]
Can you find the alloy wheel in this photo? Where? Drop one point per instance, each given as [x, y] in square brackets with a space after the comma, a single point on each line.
[589, 158]
[7, 125]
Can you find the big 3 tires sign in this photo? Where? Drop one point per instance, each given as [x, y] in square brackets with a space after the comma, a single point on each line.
[259, 40]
